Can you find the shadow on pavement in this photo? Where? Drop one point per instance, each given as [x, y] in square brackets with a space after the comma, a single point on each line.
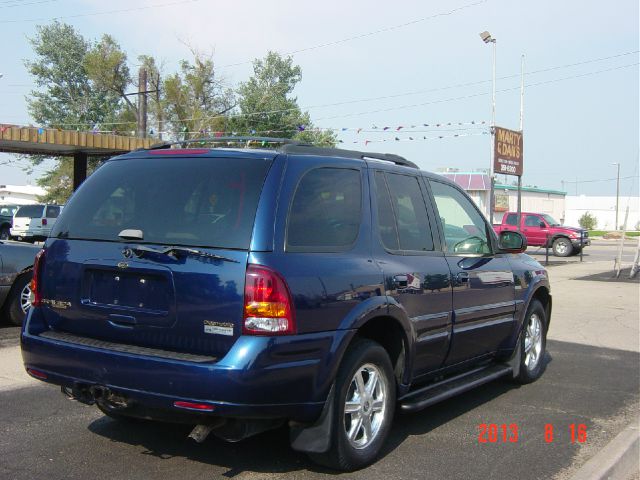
[583, 383]
[609, 276]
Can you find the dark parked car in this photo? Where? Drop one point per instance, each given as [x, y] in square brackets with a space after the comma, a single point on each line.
[6, 220]
[241, 289]
[16, 270]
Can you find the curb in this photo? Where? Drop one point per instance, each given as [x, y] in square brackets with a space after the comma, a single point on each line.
[619, 459]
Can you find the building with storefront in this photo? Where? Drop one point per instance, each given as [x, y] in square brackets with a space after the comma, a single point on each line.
[534, 199]
[20, 194]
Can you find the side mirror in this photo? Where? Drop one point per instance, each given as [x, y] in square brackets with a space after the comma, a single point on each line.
[512, 242]
[543, 225]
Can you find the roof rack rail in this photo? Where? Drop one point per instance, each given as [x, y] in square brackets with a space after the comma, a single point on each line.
[311, 150]
[293, 146]
[271, 140]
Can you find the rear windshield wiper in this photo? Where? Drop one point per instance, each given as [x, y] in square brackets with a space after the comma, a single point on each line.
[175, 252]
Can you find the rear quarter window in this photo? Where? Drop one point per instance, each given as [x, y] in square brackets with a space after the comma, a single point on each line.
[30, 211]
[325, 212]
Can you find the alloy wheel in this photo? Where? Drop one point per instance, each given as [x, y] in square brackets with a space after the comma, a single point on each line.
[533, 342]
[364, 409]
[25, 298]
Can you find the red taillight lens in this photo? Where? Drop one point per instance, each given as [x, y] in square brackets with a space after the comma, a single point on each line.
[44, 221]
[37, 374]
[202, 407]
[268, 309]
[36, 281]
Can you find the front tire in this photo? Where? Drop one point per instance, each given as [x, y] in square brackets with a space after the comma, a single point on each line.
[4, 233]
[533, 344]
[562, 247]
[363, 411]
[19, 299]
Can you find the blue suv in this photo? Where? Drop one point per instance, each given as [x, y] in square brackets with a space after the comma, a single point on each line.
[241, 289]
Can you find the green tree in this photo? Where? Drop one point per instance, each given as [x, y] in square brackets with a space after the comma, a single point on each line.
[588, 221]
[267, 106]
[66, 97]
[105, 64]
[195, 100]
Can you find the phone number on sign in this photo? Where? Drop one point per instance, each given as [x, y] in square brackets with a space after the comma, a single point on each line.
[509, 433]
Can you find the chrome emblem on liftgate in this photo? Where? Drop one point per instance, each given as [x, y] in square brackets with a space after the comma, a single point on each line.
[123, 265]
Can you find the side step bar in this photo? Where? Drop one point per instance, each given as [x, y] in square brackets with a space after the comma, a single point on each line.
[436, 392]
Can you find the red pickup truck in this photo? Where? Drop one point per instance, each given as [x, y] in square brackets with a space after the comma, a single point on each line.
[541, 230]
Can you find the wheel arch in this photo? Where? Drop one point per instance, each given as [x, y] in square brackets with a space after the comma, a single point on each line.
[543, 295]
[390, 327]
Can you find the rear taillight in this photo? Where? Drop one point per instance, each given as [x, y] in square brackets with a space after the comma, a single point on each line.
[36, 281]
[202, 407]
[268, 309]
[37, 374]
[44, 222]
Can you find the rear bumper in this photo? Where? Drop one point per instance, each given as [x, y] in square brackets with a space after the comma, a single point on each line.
[29, 232]
[260, 377]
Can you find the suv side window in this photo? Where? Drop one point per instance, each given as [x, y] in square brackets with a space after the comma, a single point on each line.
[532, 221]
[326, 210]
[52, 211]
[512, 219]
[465, 231]
[408, 212]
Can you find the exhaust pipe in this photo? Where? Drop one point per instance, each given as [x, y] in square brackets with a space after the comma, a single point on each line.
[201, 432]
[89, 395]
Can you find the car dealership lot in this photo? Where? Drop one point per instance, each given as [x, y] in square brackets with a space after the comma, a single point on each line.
[591, 379]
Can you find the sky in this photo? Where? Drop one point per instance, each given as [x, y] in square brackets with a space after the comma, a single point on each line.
[372, 64]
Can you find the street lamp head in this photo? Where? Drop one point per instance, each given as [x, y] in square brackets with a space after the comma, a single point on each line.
[486, 37]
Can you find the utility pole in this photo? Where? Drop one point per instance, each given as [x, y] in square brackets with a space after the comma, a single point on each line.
[522, 132]
[142, 103]
[487, 38]
[617, 164]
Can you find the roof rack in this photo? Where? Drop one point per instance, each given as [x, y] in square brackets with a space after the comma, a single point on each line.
[293, 146]
[248, 140]
[311, 150]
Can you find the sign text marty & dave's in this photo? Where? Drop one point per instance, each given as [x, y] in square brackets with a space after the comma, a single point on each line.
[508, 152]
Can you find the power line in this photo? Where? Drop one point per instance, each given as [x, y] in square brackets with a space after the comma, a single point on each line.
[14, 3]
[465, 97]
[106, 12]
[401, 107]
[436, 89]
[368, 34]
[600, 180]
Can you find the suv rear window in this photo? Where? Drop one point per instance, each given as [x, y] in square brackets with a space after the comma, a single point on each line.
[326, 210]
[208, 202]
[30, 211]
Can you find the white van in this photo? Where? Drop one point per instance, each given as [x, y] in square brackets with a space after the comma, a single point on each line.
[34, 222]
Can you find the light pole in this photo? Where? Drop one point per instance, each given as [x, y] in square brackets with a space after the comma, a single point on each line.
[487, 38]
[617, 164]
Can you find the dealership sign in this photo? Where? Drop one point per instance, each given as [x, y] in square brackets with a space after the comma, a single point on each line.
[507, 152]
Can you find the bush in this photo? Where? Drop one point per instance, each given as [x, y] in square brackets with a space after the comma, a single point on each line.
[588, 221]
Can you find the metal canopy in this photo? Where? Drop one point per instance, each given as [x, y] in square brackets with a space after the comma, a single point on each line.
[50, 141]
[79, 145]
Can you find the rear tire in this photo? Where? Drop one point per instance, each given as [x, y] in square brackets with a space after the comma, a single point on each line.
[360, 423]
[18, 302]
[562, 247]
[4, 233]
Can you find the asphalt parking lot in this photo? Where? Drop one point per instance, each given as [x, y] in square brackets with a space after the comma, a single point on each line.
[592, 379]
